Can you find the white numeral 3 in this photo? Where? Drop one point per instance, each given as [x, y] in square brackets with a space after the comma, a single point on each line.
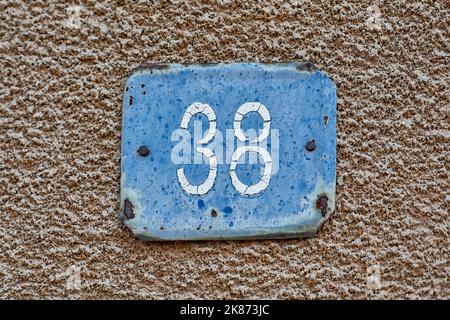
[193, 109]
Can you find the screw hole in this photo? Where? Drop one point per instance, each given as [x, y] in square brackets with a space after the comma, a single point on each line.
[128, 209]
[311, 145]
[143, 151]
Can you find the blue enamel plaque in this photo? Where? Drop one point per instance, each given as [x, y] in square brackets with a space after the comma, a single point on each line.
[228, 151]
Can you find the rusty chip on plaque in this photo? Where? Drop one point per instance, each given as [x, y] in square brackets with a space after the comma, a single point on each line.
[227, 151]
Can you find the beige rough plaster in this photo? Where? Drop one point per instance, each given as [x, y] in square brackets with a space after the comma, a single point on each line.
[60, 104]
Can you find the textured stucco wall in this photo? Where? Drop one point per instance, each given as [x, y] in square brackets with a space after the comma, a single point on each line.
[60, 104]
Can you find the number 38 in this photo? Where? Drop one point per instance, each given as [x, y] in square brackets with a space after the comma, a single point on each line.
[242, 188]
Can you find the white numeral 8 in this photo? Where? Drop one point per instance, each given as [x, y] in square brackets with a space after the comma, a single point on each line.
[264, 182]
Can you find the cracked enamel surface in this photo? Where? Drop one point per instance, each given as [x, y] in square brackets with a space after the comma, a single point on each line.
[209, 182]
[265, 179]
[252, 107]
[205, 109]
[177, 202]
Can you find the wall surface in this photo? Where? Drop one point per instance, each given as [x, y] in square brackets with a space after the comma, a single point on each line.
[62, 78]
